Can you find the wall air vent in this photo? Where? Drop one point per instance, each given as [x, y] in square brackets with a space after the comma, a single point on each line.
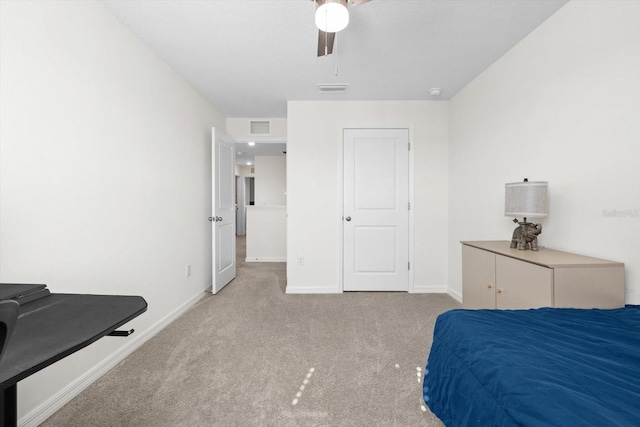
[333, 87]
[260, 127]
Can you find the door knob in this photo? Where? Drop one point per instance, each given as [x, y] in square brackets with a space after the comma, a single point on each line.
[211, 218]
[348, 218]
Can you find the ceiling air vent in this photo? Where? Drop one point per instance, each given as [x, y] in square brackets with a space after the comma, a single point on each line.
[333, 88]
[260, 127]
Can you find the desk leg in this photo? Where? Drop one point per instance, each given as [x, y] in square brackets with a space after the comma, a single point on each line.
[9, 406]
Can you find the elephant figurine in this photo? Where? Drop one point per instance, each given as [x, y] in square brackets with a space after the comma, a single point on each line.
[526, 236]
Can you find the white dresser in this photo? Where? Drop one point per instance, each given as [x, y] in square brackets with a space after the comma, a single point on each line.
[496, 276]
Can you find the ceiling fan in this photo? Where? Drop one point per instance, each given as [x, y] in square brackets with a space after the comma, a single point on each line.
[332, 16]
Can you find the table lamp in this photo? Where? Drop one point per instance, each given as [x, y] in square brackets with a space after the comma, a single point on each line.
[527, 200]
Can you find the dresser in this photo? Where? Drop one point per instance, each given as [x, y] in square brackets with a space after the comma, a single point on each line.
[496, 276]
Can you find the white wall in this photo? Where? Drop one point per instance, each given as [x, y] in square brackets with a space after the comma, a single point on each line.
[105, 173]
[314, 151]
[271, 180]
[239, 128]
[244, 171]
[266, 234]
[563, 106]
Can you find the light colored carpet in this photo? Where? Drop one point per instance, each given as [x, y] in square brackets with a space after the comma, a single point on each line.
[241, 358]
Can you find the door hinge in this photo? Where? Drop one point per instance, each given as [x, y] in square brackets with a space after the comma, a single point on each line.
[409, 146]
[409, 205]
[409, 266]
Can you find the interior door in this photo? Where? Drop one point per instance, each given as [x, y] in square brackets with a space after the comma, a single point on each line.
[376, 210]
[224, 213]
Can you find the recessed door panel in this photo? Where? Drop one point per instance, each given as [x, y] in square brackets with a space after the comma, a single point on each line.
[225, 253]
[375, 250]
[375, 173]
[226, 175]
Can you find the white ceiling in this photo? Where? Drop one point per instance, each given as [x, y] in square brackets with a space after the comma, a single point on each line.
[249, 57]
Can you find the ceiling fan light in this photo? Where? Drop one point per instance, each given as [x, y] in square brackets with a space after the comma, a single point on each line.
[332, 17]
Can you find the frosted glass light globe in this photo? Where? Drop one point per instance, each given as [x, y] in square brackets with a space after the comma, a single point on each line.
[332, 17]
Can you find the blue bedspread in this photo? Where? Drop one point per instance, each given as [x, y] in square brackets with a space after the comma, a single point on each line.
[544, 367]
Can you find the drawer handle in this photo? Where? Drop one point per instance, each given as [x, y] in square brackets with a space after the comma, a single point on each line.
[499, 290]
[489, 286]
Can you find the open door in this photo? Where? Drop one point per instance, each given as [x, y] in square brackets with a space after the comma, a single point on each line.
[223, 239]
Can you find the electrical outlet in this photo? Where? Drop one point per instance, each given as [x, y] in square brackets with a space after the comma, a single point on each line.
[188, 271]
[300, 261]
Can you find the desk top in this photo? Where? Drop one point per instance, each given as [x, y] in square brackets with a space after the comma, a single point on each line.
[544, 256]
[58, 325]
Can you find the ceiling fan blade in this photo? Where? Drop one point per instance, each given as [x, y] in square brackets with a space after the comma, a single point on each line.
[325, 43]
[354, 3]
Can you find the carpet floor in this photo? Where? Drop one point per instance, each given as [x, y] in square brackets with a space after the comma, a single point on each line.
[254, 356]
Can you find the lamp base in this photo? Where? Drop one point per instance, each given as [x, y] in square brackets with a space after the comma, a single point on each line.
[525, 236]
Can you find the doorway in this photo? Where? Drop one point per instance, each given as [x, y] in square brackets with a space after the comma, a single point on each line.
[244, 197]
[261, 199]
[376, 210]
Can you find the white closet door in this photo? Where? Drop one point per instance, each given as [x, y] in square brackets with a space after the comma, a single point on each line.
[376, 210]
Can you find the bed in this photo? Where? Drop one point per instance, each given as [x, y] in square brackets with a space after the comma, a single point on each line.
[539, 367]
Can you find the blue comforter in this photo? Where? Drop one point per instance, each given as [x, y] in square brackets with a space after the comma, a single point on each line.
[544, 367]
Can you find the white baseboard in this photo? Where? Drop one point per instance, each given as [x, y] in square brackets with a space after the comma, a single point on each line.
[309, 290]
[429, 289]
[438, 290]
[266, 259]
[455, 295]
[57, 401]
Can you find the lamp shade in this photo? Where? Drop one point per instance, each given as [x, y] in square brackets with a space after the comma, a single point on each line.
[526, 199]
[332, 16]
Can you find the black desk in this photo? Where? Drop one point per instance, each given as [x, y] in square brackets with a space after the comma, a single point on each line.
[54, 327]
